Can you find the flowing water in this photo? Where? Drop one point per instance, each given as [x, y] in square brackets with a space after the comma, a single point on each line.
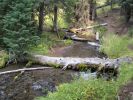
[78, 49]
[32, 84]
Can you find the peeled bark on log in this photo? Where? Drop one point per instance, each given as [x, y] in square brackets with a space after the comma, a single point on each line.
[65, 62]
[74, 63]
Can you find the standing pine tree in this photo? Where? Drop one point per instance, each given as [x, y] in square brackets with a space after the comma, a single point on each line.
[18, 28]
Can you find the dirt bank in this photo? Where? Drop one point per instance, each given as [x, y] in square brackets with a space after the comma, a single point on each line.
[126, 92]
[32, 84]
[116, 23]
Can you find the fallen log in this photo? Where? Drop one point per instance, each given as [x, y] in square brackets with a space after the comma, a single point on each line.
[76, 38]
[77, 63]
[90, 27]
[74, 63]
[23, 70]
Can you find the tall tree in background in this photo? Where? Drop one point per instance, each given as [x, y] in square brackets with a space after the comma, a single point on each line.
[41, 17]
[18, 26]
[55, 27]
[126, 8]
[92, 9]
[84, 12]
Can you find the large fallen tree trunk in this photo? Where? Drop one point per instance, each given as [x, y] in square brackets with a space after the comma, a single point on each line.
[77, 63]
[74, 63]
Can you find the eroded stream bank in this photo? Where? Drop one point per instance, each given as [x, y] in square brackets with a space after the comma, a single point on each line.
[31, 84]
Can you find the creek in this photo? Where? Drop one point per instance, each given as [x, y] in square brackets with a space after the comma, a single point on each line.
[36, 83]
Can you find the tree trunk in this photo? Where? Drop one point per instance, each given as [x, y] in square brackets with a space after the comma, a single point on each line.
[55, 27]
[41, 17]
[94, 13]
[77, 63]
[90, 9]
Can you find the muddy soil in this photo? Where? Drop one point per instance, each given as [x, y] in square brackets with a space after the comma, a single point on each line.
[116, 23]
[77, 49]
[31, 84]
[126, 92]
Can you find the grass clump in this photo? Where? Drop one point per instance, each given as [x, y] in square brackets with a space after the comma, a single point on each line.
[3, 58]
[82, 67]
[102, 30]
[68, 42]
[116, 46]
[130, 32]
[93, 89]
[47, 41]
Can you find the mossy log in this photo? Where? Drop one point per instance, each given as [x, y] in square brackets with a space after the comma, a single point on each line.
[75, 63]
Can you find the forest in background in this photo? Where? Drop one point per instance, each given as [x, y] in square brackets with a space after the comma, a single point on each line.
[31, 27]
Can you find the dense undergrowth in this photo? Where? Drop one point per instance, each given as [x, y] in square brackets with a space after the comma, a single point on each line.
[93, 89]
[48, 41]
[3, 58]
[116, 46]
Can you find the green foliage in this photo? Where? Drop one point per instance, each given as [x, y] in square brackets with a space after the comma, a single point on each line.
[101, 2]
[29, 64]
[91, 89]
[18, 27]
[68, 42]
[65, 12]
[102, 30]
[70, 9]
[130, 32]
[41, 48]
[116, 46]
[3, 58]
[47, 41]
[126, 8]
[62, 23]
[82, 67]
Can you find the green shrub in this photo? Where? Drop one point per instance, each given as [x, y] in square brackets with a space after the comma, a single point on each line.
[68, 42]
[40, 49]
[130, 32]
[93, 89]
[102, 30]
[116, 46]
[3, 58]
[61, 20]
[18, 27]
[47, 40]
